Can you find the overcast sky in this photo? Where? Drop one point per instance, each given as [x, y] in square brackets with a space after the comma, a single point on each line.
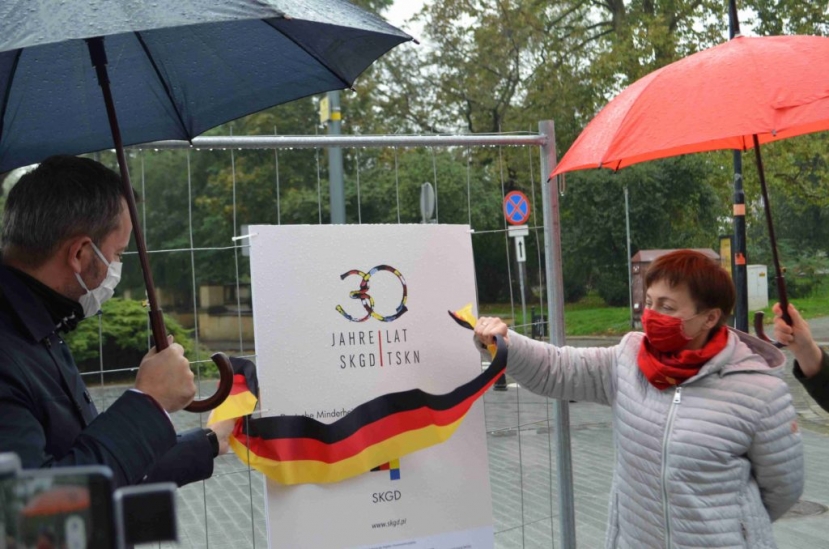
[402, 10]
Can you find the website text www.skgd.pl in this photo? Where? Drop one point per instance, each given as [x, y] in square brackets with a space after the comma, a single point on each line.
[389, 523]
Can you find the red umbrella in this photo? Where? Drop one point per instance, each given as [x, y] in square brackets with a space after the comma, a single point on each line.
[737, 95]
[60, 499]
[770, 87]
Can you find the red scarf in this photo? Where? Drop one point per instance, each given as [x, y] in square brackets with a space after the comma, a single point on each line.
[665, 370]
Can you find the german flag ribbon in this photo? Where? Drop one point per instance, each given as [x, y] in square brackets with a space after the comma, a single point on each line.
[243, 393]
[299, 449]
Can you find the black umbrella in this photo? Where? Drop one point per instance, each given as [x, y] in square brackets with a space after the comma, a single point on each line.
[176, 69]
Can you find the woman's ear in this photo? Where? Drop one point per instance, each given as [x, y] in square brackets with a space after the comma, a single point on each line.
[712, 317]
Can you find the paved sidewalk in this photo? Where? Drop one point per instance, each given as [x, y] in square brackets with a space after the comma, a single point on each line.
[522, 457]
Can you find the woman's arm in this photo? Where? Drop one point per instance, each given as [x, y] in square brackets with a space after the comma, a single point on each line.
[776, 454]
[570, 373]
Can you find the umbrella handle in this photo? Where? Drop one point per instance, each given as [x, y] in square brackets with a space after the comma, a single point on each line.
[220, 359]
[225, 385]
[760, 331]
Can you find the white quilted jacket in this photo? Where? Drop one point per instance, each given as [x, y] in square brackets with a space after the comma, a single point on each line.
[709, 464]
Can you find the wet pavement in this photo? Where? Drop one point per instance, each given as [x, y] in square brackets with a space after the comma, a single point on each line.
[228, 509]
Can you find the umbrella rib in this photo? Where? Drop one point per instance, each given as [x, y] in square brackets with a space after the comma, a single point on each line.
[8, 91]
[163, 83]
[346, 83]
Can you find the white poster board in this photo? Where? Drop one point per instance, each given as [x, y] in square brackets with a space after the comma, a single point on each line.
[313, 360]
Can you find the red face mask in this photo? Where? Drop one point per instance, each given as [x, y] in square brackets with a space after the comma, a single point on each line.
[664, 332]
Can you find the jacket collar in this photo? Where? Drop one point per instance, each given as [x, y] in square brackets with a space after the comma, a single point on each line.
[25, 305]
[744, 353]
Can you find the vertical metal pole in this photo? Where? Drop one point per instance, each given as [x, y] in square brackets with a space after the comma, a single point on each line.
[738, 268]
[555, 314]
[630, 269]
[335, 162]
[521, 277]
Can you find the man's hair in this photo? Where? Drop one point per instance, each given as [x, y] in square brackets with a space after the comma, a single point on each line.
[709, 284]
[64, 197]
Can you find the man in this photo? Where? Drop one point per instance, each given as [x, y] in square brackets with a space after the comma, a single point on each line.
[65, 228]
[811, 366]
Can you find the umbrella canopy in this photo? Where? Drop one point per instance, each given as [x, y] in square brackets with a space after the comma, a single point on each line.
[83, 76]
[771, 87]
[176, 68]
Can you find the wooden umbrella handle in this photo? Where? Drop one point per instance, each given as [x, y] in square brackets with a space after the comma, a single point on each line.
[220, 359]
[225, 384]
[761, 332]
[787, 318]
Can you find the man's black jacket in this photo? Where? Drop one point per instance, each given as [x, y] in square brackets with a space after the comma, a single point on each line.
[47, 416]
[818, 385]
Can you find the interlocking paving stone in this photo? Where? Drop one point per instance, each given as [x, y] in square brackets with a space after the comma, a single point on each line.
[228, 510]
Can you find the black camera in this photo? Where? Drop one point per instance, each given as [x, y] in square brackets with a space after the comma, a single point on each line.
[77, 508]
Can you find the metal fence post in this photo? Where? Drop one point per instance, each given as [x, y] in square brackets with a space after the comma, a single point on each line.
[555, 314]
[335, 162]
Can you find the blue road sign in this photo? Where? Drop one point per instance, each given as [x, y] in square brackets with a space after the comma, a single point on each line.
[516, 208]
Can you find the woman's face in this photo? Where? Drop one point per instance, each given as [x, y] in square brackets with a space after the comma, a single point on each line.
[676, 301]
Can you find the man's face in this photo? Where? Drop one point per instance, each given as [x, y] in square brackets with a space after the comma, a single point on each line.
[113, 246]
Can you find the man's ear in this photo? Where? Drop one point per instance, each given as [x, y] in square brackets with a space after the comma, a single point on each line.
[73, 250]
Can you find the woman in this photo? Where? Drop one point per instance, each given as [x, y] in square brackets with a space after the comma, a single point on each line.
[708, 452]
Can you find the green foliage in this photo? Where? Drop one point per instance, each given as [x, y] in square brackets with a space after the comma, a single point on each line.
[672, 205]
[804, 274]
[775, 17]
[120, 339]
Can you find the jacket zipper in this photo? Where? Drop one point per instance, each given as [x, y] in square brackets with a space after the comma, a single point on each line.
[668, 428]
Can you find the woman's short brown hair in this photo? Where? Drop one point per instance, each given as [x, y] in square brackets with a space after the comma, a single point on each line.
[709, 284]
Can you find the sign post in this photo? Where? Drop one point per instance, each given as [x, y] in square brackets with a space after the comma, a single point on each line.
[517, 212]
[427, 202]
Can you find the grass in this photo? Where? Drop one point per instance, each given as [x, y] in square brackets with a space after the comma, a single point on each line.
[591, 316]
[812, 306]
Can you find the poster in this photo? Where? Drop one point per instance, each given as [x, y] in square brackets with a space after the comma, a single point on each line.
[343, 314]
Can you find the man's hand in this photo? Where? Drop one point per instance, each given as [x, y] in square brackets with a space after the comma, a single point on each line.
[487, 327]
[798, 338]
[223, 430]
[166, 376]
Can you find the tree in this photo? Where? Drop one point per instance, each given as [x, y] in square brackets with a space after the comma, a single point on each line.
[120, 340]
[487, 66]
[672, 205]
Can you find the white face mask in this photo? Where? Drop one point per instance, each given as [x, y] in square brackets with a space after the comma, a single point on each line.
[92, 300]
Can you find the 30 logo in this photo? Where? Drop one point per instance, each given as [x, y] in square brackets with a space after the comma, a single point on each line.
[368, 301]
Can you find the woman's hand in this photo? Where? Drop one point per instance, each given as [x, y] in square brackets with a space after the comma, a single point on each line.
[798, 338]
[487, 327]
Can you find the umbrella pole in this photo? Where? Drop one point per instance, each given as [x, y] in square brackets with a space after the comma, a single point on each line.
[99, 61]
[779, 278]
